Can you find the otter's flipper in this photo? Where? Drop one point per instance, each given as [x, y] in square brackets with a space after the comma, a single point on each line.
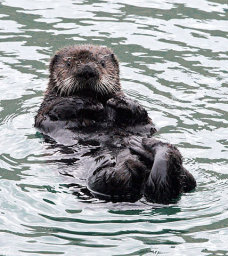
[167, 178]
[118, 181]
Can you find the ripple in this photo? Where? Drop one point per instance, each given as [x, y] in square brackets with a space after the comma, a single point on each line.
[173, 58]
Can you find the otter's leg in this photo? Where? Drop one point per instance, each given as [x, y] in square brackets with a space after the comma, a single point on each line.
[167, 178]
[120, 180]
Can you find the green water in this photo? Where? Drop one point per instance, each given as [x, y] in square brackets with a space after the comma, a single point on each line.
[174, 59]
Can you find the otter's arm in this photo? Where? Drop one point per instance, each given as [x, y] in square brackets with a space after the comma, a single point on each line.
[128, 111]
[167, 178]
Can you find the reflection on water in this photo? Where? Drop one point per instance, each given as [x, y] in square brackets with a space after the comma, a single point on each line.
[173, 57]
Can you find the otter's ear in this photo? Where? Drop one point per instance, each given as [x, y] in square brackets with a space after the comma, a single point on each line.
[53, 62]
[115, 60]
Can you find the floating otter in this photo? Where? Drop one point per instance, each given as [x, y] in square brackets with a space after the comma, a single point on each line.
[112, 133]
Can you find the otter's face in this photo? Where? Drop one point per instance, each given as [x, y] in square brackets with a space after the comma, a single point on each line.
[84, 69]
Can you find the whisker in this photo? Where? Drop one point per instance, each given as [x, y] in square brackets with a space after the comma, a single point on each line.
[70, 85]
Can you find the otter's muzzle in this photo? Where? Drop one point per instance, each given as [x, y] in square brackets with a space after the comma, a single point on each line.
[87, 72]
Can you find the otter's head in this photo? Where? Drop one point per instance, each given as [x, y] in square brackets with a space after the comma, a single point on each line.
[84, 70]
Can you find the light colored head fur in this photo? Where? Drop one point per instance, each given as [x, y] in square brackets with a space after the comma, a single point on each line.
[84, 70]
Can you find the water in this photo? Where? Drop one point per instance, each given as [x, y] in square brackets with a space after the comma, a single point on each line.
[174, 60]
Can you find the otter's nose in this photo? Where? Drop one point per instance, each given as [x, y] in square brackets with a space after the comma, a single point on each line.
[87, 72]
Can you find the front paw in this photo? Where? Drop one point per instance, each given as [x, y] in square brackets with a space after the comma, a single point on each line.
[70, 108]
[118, 102]
[128, 111]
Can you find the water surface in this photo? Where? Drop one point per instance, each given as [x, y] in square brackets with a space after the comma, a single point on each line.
[173, 57]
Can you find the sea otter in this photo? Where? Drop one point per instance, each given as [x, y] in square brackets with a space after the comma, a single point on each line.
[112, 133]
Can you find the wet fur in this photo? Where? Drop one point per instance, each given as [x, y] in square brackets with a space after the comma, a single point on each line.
[67, 62]
[125, 162]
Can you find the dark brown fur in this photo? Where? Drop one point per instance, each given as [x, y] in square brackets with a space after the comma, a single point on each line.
[122, 162]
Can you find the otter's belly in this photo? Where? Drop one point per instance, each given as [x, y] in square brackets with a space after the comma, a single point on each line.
[88, 149]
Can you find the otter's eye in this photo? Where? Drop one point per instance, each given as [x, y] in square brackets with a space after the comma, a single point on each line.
[103, 63]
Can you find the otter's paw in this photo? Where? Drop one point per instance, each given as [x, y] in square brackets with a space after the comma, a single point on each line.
[128, 111]
[167, 178]
[70, 108]
[118, 183]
